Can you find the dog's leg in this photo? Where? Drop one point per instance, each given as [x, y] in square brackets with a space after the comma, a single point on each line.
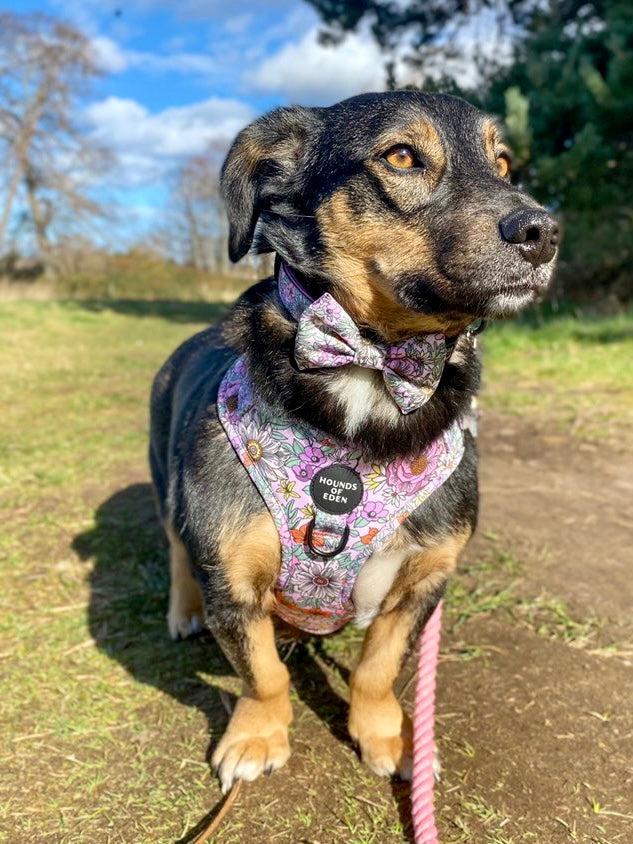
[256, 739]
[185, 614]
[376, 720]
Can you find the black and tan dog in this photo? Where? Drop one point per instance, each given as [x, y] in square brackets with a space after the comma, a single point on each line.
[399, 205]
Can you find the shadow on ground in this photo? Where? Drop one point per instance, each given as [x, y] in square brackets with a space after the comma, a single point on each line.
[169, 309]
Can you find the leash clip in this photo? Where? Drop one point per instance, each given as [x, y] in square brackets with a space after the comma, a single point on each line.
[317, 551]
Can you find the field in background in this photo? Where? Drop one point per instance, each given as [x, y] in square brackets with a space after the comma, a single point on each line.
[105, 726]
[138, 274]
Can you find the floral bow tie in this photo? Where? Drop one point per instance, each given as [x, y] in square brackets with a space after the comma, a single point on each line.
[328, 337]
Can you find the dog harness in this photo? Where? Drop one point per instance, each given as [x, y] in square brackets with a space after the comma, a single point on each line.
[331, 506]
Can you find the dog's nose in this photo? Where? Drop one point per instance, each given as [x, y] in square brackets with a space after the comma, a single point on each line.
[534, 232]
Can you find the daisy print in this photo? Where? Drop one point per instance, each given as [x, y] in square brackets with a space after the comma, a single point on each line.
[394, 496]
[318, 581]
[262, 450]
[448, 461]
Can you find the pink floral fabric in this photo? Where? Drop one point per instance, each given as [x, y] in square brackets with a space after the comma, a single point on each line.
[282, 456]
[328, 337]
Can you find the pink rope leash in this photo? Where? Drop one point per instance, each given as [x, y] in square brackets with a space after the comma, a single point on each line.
[422, 809]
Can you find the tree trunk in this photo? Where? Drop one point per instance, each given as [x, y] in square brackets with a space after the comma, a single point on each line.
[39, 221]
[8, 204]
[195, 241]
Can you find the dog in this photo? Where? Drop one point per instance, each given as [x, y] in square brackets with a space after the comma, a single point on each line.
[399, 207]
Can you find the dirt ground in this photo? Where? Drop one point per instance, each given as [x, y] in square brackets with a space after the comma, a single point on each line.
[536, 730]
[548, 715]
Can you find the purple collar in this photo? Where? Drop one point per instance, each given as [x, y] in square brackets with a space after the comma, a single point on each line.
[296, 299]
[294, 296]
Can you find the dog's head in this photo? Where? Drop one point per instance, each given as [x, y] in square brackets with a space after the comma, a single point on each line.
[398, 203]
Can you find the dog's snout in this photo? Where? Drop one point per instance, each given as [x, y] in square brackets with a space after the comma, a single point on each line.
[534, 232]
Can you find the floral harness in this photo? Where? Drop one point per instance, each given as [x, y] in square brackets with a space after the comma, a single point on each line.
[332, 508]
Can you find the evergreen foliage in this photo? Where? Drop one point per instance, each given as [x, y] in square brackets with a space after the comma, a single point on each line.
[567, 102]
[573, 76]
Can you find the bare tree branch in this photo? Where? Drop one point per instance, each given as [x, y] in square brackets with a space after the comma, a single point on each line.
[46, 66]
[197, 225]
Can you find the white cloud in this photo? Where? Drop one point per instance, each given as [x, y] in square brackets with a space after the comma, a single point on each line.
[238, 24]
[112, 58]
[107, 54]
[308, 72]
[305, 71]
[149, 145]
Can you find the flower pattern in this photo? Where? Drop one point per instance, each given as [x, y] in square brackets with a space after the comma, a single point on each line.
[318, 581]
[282, 457]
[287, 489]
[260, 447]
[304, 471]
[313, 456]
[410, 476]
[373, 510]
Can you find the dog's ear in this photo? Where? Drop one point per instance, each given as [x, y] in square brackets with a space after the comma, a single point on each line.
[262, 165]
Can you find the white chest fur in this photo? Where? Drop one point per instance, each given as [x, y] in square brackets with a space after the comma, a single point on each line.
[375, 580]
[360, 392]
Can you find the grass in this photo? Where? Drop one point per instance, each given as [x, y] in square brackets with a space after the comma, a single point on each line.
[73, 387]
[490, 586]
[107, 722]
[570, 376]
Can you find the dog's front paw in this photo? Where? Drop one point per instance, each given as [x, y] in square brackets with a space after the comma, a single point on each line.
[184, 618]
[385, 736]
[255, 743]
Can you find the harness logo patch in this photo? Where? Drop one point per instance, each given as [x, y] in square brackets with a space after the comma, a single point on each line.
[337, 489]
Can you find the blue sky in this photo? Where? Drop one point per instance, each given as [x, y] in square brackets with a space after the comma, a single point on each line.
[179, 76]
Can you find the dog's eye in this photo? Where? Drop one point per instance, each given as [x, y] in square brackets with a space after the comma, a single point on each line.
[402, 157]
[503, 165]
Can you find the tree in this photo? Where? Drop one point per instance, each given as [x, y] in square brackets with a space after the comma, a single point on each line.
[426, 36]
[573, 77]
[197, 224]
[45, 67]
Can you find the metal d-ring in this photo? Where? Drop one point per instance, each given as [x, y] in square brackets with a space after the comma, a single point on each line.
[480, 325]
[338, 548]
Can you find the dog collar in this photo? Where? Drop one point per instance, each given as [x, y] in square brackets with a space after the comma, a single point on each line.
[296, 299]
